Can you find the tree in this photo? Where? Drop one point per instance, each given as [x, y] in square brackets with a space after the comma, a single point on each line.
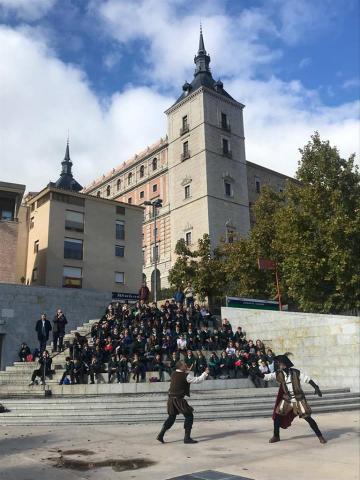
[318, 231]
[200, 267]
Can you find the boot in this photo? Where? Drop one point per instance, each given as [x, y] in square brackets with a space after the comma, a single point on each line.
[160, 437]
[322, 439]
[274, 439]
[187, 438]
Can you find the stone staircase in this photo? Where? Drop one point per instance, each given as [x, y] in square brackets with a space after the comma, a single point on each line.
[151, 407]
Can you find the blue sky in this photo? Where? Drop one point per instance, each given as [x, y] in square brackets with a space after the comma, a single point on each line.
[107, 69]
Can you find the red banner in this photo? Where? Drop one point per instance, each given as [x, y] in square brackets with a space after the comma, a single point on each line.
[266, 264]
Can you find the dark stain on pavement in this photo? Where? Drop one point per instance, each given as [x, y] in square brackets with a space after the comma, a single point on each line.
[84, 465]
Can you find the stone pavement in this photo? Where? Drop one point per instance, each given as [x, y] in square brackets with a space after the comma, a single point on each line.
[239, 448]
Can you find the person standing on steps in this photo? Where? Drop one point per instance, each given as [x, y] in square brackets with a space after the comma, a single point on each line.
[180, 382]
[291, 401]
[43, 329]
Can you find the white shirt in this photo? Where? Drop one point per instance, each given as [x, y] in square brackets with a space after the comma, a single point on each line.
[303, 378]
[192, 379]
[181, 343]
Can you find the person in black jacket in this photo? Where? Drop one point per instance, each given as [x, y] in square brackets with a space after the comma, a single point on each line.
[69, 371]
[43, 329]
[44, 369]
[58, 330]
[24, 352]
[113, 368]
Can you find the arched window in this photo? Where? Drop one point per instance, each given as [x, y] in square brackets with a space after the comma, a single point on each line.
[154, 164]
[142, 171]
[108, 191]
[129, 178]
[118, 184]
[98, 193]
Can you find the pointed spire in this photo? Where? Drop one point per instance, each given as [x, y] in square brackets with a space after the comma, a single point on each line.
[201, 42]
[66, 179]
[202, 59]
[67, 152]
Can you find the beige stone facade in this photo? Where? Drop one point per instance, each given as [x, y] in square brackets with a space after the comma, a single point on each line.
[198, 169]
[80, 241]
[13, 233]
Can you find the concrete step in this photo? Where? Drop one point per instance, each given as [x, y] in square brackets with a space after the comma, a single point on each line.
[126, 403]
[146, 409]
[6, 419]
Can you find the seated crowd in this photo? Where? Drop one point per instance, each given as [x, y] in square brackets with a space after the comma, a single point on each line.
[129, 341]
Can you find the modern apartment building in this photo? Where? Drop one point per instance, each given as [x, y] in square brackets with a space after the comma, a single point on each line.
[74, 240]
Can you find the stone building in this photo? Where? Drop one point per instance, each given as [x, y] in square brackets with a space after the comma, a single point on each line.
[13, 233]
[71, 239]
[199, 170]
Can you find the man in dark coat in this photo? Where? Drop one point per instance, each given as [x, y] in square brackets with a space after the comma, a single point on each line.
[58, 330]
[43, 329]
[179, 388]
[291, 401]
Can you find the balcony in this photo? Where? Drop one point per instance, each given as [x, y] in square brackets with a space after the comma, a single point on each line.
[185, 155]
[227, 153]
[184, 129]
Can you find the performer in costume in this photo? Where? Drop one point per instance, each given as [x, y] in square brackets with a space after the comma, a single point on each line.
[180, 382]
[291, 401]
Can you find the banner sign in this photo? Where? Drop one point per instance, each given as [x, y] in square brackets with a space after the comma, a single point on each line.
[125, 296]
[254, 303]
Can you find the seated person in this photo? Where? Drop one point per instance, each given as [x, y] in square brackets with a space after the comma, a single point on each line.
[44, 369]
[213, 365]
[159, 366]
[113, 368]
[200, 363]
[68, 371]
[24, 352]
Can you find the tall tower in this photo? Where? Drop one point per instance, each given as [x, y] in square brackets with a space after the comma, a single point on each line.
[206, 159]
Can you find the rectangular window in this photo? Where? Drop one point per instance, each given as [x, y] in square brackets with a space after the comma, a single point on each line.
[120, 210]
[119, 277]
[187, 191]
[34, 275]
[36, 246]
[73, 248]
[72, 277]
[185, 148]
[227, 189]
[129, 200]
[184, 125]
[223, 120]
[257, 185]
[155, 253]
[32, 222]
[120, 230]
[119, 251]
[225, 146]
[74, 221]
[143, 256]
[154, 188]
[188, 238]
[142, 194]
[156, 232]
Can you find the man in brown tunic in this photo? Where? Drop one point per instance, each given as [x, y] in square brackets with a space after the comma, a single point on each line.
[291, 401]
[180, 382]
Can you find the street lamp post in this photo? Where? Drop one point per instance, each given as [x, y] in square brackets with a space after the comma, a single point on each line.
[155, 205]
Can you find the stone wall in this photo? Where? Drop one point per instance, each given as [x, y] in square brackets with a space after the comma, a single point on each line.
[326, 347]
[21, 306]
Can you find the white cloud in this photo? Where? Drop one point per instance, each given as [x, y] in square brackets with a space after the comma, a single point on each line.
[26, 9]
[351, 83]
[305, 62]
[41, 98]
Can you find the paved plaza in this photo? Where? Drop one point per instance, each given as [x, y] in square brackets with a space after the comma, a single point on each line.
[227, 448]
